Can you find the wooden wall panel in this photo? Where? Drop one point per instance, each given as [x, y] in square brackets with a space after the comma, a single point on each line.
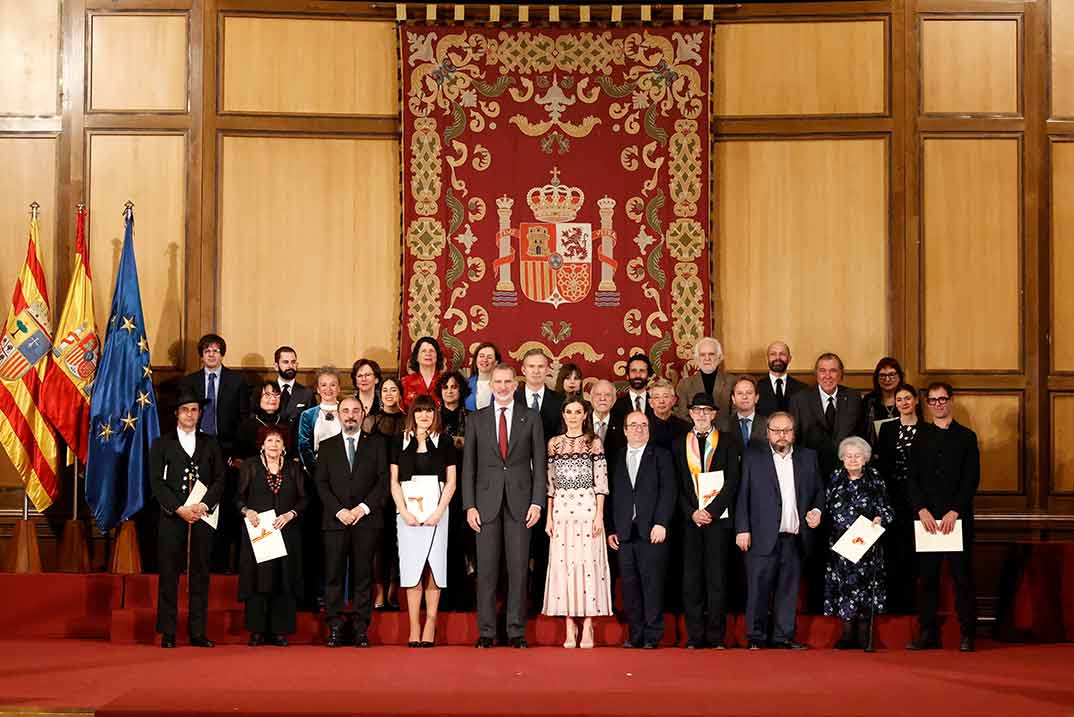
[1063, 443]
[950, 48]
[1062, 37]
[1062, 256]
[321, 217]
[997, 420]
[801, 68]
[29, 57]
[971, 236]
[793, 217]
[299, 66]
[149, 170]
[138, 62]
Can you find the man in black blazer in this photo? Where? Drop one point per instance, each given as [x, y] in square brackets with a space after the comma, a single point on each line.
[745, 424]
[352, 482]
[294, 397]
[549, 404]
[642, 499]
[707, 521]
[504, 491]
[944, 475]
[827, 413]
[774, 392]
[607, 425]
[664, 425]
[177, 461]
[636, 396]
[780, 504]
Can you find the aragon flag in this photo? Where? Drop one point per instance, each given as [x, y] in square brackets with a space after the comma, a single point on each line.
[65, 400]
[24, 355]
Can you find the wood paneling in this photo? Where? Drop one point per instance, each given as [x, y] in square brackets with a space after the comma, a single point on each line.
[801, 68]
[1063, 443]
[970, 66]
[29, 57]
[149, 170]
[138, 62]
[299, 66]
[802, 239]
[997, 420]
[1062, 256]
[309, 249]
[1062, 37]
[971, 235]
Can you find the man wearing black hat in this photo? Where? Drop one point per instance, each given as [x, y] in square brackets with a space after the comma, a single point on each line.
[179, 461]
[705, 503]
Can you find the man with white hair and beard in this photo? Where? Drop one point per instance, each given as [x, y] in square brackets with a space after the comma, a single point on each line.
[708, 355]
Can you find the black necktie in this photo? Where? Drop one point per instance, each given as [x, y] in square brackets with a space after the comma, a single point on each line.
[829, 413]
[779, 394]
[285, 396]
[701, 437]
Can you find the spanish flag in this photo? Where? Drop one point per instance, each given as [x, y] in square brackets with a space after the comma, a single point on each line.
[24, 356]
[65, 398]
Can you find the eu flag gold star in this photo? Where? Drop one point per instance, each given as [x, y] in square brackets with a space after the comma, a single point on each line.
[128, 324]
[106, 432]
[146, 371]
[143, 345]
[128, 421]
[143, 399]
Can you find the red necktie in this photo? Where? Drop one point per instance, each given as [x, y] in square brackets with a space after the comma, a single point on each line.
[503, 434]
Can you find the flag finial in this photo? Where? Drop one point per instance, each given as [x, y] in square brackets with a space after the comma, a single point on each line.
[34, 209]
[128, 209]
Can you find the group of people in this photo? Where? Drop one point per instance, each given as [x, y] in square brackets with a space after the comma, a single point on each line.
[657, 487]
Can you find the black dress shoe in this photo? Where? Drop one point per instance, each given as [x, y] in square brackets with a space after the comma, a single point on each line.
[201, 641]
[717, 646]
[167, 640]
[427, 643]
[923, 642]
[335, 637]
[631, 645]
[695, 646]
[256, 639]
[754, 645]
[278, 640]
[966, 645]
[413, 643]
[361, 641]
[649, 646]
[789, 645]
[483, 643]
[519, 643]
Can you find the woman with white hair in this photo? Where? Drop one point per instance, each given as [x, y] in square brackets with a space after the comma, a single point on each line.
[852, 591]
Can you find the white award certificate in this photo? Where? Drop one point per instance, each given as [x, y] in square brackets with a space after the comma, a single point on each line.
[422, 494]
[197, 493]
[858, 539]
[266, 542]
[938, 542]
[709, 485]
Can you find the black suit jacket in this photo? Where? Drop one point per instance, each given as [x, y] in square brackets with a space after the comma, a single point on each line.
[663, 433]
[811, 430]
[760, 502]
[232, 405]
[758, 430]
[725, 458]
[170, 487]
[945, 470]
[551, 408]
[766, 397]
[614, 436]
[302, 397]
[652, 496]
[623, 406]
[342, 488]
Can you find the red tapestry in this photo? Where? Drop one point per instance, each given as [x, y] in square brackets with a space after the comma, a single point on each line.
[556, 192]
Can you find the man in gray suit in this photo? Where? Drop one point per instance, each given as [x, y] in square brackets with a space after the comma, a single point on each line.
[504, 490]
[708, 356]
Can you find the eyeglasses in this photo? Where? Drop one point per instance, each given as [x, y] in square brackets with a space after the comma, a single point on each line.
[887, 375]
[937, 400]
[706, 409]
[637, 426]
[365, 375]
[781, 431]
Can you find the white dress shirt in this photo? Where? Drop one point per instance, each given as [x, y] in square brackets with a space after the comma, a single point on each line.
[824, 397]
[633, 461]
[484, 392]
[187, 441]
[772, 379]
[788, 519]
[600, 425]
[290, 384]
[530, 393]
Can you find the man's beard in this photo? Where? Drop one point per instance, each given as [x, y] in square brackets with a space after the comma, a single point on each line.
[287, 375]
[777, 366]
[638, 384]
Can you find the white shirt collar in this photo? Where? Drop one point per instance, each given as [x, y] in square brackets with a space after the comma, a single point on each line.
[434, 438]
[637, 449]
[750, 417]
[824, 396]
[212, 370]
[185, 434]
[778, 457]
[539, 392]
[284, 382]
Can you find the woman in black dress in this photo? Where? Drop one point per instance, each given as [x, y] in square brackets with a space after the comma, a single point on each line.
[271, 589]
[267, 414]
[879, 404]
[388, 424]
[453, 391]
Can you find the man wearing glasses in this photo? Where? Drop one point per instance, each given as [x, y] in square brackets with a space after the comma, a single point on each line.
[945, 472]
[779, 508]
[706, 462]
[642, 502]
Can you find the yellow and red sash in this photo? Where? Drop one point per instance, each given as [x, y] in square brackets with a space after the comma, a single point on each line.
[694, 461]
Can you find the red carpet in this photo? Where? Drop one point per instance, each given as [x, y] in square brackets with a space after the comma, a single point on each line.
[133, 680]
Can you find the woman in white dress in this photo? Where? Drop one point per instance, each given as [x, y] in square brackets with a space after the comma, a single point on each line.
[420, 452]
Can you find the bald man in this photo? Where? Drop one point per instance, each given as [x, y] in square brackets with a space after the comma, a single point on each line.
[775, 390]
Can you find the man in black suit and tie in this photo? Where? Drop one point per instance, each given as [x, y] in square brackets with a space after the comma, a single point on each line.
[607, 425]
[780, 504]
[945, 472]
[177, 461]
[227, 404]
[636, 397]
[294, 397]
[352, 481]
[707, 521]
[643, 493]
[504, 489]
[774, 392]
[828, 413]
[745, 424]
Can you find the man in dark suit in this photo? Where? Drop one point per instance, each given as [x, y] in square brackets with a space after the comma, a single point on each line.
[636, 397]
[642, 499]
[774, 392]
[607, 425]
[177, 462]
[708, 356]
[664, 425]
[780, 504]
[828, 413]
[549, 404]
[504, 488]
[227, 404]
[294, 397]
[945, 472]
[707, 521]
[352, 482]
[745, 424]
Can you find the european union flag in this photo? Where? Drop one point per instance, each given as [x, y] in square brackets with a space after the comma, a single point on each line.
[123, 408]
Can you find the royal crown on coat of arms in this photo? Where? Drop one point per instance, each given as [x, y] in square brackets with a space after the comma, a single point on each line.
[555, 252]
